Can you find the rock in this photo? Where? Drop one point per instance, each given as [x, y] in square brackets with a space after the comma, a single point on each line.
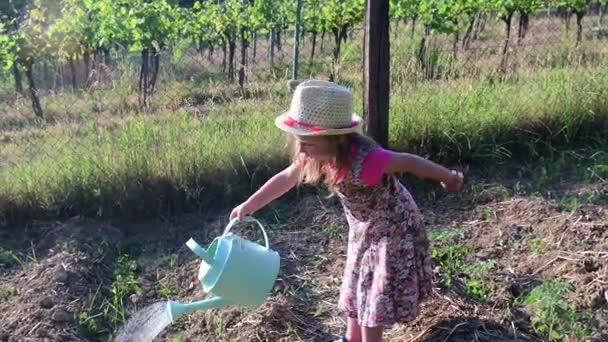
[47, 302]
[60, 315]
[134, 298]
[484, 197]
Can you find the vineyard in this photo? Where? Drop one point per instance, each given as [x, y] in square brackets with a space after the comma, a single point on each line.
[129, 126]
[89, 37]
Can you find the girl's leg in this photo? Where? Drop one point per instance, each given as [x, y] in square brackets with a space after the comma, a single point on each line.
[353, 331]
[372, 334]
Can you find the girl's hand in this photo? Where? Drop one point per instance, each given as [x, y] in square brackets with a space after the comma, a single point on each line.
[242, 210]
[454, 181]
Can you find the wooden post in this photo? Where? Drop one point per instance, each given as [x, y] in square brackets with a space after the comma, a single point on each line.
[376, 71]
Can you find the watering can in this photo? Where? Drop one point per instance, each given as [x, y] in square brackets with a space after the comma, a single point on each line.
[234, 270]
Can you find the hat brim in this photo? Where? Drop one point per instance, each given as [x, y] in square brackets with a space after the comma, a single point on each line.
[282, 120]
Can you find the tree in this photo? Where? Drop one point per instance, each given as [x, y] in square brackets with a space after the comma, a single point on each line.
[312, 22]
[525, 7]
[578, 8]
[11, 13]
[73, 34]
[245, 24]
[506, 9]
[200, 26]
[472, 9]
[146, 26]
[7, 48]
[30, 44]
[405, 9]
[438, 17]
[208, 24]
[232, 12]
[603, 7]
[340, 15]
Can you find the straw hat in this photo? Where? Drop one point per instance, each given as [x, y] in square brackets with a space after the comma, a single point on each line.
[320, 108]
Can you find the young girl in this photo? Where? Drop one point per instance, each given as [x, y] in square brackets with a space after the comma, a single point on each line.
[388, 271]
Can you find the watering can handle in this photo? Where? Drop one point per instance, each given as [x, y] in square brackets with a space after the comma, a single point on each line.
[248, 219]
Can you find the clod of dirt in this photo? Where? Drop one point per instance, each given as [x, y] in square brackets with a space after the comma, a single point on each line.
[486, 197]
[61, 276]
[60, 315]
[591, 265]
[520, 231]
[488, 253]
[597, 300]
[47, 302]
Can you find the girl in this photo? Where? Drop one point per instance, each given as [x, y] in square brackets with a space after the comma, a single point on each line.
[388, 271]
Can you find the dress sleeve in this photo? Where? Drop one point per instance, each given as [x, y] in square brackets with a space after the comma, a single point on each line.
[373, 165]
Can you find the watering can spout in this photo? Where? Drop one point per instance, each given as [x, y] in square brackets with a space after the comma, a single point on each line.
[200, 251]
[176, 310]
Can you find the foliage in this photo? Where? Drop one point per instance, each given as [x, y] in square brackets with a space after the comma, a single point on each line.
[554, 316]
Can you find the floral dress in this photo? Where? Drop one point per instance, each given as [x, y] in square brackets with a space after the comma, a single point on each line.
[388, 266]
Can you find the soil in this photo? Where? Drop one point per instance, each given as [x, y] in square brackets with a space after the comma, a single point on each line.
[531, 239]
[67, 264]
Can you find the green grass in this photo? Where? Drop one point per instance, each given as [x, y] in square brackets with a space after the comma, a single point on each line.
[123, 284]
[108, 307]
[167, 291]
[11, 258]
[554, 316]
[176, 156]
[477, 279]
[6, 292]
[456, 267]
[451, 260]
[473, 120]
[203, 142]
[537, 244]
[332, 231]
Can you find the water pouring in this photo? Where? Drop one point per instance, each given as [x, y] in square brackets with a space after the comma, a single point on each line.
[233, 270]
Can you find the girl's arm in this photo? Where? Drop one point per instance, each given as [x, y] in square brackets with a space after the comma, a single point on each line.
[423, 168]
[275, 187]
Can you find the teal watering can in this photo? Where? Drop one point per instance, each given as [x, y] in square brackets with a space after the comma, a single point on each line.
[234, 270]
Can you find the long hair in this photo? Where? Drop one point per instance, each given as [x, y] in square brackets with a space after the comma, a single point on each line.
[329, 173]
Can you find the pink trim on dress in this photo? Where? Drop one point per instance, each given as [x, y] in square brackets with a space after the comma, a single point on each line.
[373, 166]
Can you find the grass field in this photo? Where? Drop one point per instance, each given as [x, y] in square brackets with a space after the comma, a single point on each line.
[520, 253]
[83, 161]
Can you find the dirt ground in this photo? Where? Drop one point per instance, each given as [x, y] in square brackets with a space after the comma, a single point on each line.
[52, 272]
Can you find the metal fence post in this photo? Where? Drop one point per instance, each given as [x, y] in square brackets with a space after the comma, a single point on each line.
[296, 45]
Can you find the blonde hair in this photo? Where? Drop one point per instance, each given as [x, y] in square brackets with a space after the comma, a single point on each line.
[315, 171]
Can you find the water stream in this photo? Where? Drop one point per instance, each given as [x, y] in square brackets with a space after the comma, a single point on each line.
[145, 324]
